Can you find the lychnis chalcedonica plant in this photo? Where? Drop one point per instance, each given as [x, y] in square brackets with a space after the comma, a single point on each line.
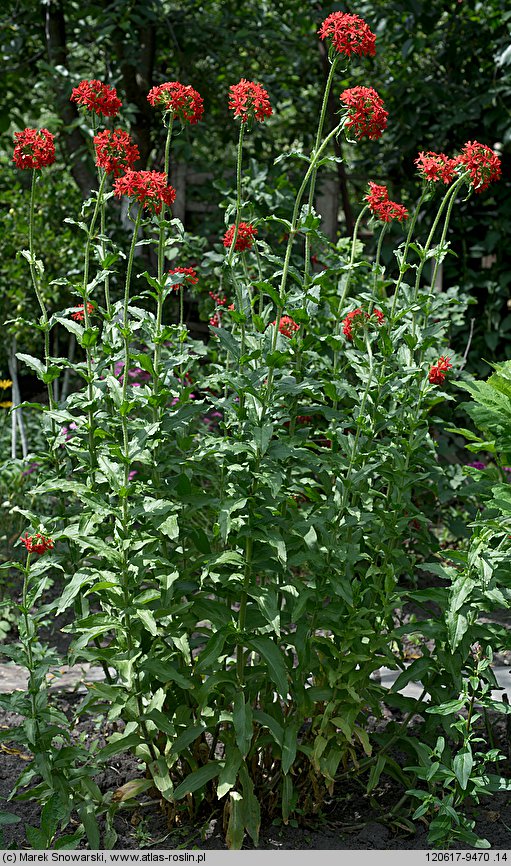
[240, 514]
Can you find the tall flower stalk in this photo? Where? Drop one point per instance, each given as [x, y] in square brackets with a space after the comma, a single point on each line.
[86, 312]
[35, 271]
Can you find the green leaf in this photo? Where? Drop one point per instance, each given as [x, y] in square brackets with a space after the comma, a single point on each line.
[186, 737]
[457, 626]
[118, 746]
[272, 724]
[88, 819]
[449, 708]
[162, 722]
[242, 719]
[229, 772]
[8, 818]
[197, 779]
[165, 673]
[287, 797]
[212, 651]
[462, 767]
[72, 589]
[73, 327]
[289, 746]
[251, 807]
[170, 527]
[161, 778]
[236, 827]
[34, 363]
[376, 771]
[272, 655]
[149, 621]
[228, 342]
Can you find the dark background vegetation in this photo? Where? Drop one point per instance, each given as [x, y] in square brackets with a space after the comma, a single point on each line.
[442, 68]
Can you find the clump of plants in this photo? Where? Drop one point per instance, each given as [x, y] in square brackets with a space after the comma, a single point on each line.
[239, 518]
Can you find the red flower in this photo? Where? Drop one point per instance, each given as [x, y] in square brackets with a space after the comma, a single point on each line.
[287, 326]
[436, 166]
[437, 372]
[188, 274]
[249, 100]
[358, 317]
[149, 188]
[366, 115]
[382, 207]
[37, 543]
[180, 99]
[377, 194]
[79, 314]
[244, 238]
[482, 162]
[96, 96]
[350, 34]
[219, 301]
[34, 148]
[115, 151]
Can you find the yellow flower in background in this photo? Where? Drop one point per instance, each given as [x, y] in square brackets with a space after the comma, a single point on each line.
[6, 404]
[5, 383]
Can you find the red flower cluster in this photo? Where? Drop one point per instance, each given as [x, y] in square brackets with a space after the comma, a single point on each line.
[437, 372]
[217, 299]
[98, 97]
[382, 207]
[436, 167]
[287, 326]
[366, 115]
[34, 148]
[149, 188]
[189, 276]
[482, 162]
[79, 314]
[37, 543]
[115, 151]
[249, 100]
[181, 99]
[350, 34]
[244, 238]
[358, 317]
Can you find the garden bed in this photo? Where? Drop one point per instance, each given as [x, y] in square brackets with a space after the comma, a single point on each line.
[349, 820]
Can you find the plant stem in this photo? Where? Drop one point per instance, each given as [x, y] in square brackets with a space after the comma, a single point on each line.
[125, 518]
[337, 329]
[238, 195]
[106, 284]
[35, 283]
[240, 649]
[403, 265]
[377, 264]
[161, 267]
[287, 258]
[32, 685]
[448, 198]
[88, 349]
[312, 188]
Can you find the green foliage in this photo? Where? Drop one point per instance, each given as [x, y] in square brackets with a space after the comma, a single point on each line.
[237, 521]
